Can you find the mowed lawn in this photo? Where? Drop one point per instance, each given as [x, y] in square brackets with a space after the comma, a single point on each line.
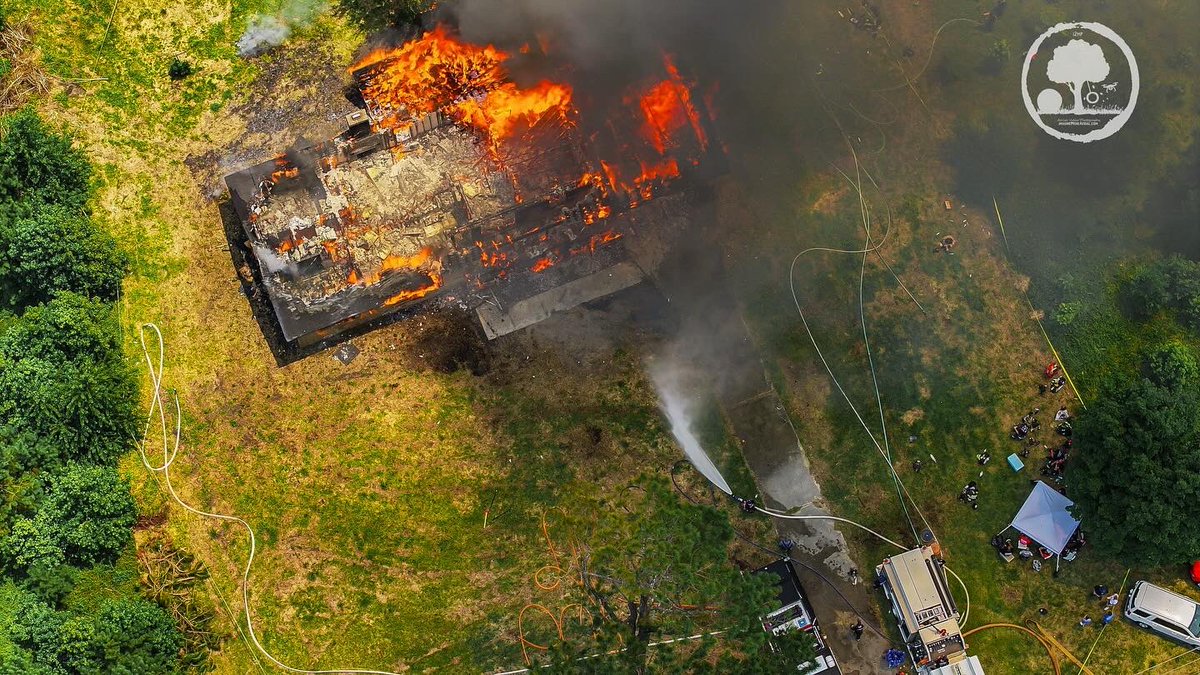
[368, 485]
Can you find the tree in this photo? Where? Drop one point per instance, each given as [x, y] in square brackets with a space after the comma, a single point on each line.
[38, 165]
[28, 544]
[66, 391]
[1169, 284]
[1136, 478]
[37, 628]
[1172, 365]
[372, 15]
[136, 637]
[46, 249]
[50, 582]
[1075, 64]
[69, 328]
[88, 513]
[179, 69]
[85, 411]
[1000, 52]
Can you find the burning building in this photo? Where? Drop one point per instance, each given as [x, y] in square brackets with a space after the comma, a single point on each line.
[456, 185]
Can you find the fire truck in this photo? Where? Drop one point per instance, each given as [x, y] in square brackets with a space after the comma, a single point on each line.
[915, 585]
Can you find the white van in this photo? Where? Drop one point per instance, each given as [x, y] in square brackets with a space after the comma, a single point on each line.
[1164, 612]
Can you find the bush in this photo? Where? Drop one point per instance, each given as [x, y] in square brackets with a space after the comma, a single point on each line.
[88, 512]
[1170, 284]
[86, 412]
[129, 637]
[136, 637]
[45, 250]
[1146, 434]
[1067, 312]
[179, 69]
[69, 328]
[37, 628]
[66, 393]
[38, 165]
[29, 545]
[370, 15]
[1172, 365]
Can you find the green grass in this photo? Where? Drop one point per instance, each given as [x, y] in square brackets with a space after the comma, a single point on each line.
[368, 484]
[961, 376]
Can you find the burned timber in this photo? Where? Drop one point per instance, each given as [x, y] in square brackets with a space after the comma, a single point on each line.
[455, 187]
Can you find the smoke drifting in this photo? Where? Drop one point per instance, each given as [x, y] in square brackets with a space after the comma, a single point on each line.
[266, 31]
[743, 57]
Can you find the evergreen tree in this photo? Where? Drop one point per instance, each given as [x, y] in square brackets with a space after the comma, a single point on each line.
[88, 513]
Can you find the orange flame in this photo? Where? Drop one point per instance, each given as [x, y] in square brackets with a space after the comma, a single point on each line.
[499, 113]
[439, 72]
[426, 74]
[667, 107]
[394, 263]
[597, 240]
[435, 282]
[543, 264]
[279, 175]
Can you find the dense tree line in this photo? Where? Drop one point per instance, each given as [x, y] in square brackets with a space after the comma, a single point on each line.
[68, 411]
[1136, 477]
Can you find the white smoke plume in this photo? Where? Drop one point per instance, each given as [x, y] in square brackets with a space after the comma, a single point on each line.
[266, 31]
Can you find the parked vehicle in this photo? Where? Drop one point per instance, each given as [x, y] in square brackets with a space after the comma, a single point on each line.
[1164, 612]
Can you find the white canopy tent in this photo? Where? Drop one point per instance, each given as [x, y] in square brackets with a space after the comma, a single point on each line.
[1045, 519]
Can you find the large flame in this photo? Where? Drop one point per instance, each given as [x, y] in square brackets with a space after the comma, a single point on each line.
[435, 282]
[468, 82]
[432, 72]
[422, 261]
[667, 108]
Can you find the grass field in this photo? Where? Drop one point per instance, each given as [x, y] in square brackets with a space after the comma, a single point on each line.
[955, 378]
[368, 484]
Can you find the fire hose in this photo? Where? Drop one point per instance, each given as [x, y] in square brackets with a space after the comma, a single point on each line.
[169, 456]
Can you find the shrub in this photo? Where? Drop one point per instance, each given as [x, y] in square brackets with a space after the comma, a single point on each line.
[88, 513]
[1169, 284]
[45, 250]
[179, 69]
[86, 411]
[37, 164]
[372, 15]
[135, 637]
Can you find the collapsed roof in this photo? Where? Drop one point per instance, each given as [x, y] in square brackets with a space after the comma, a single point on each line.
[455, 185]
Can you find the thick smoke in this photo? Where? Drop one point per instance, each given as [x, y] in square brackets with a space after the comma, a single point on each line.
[266, 31]
[744, 55]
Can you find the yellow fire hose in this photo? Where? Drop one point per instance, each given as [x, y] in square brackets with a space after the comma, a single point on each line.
[1044, 638]
[1058, 359]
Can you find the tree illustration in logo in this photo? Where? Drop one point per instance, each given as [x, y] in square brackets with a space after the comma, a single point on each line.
[1075, 64]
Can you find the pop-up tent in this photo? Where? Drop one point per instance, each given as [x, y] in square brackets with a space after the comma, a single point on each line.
[1045, 519]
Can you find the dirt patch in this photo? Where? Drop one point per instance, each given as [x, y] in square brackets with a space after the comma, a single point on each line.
[912, 416]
